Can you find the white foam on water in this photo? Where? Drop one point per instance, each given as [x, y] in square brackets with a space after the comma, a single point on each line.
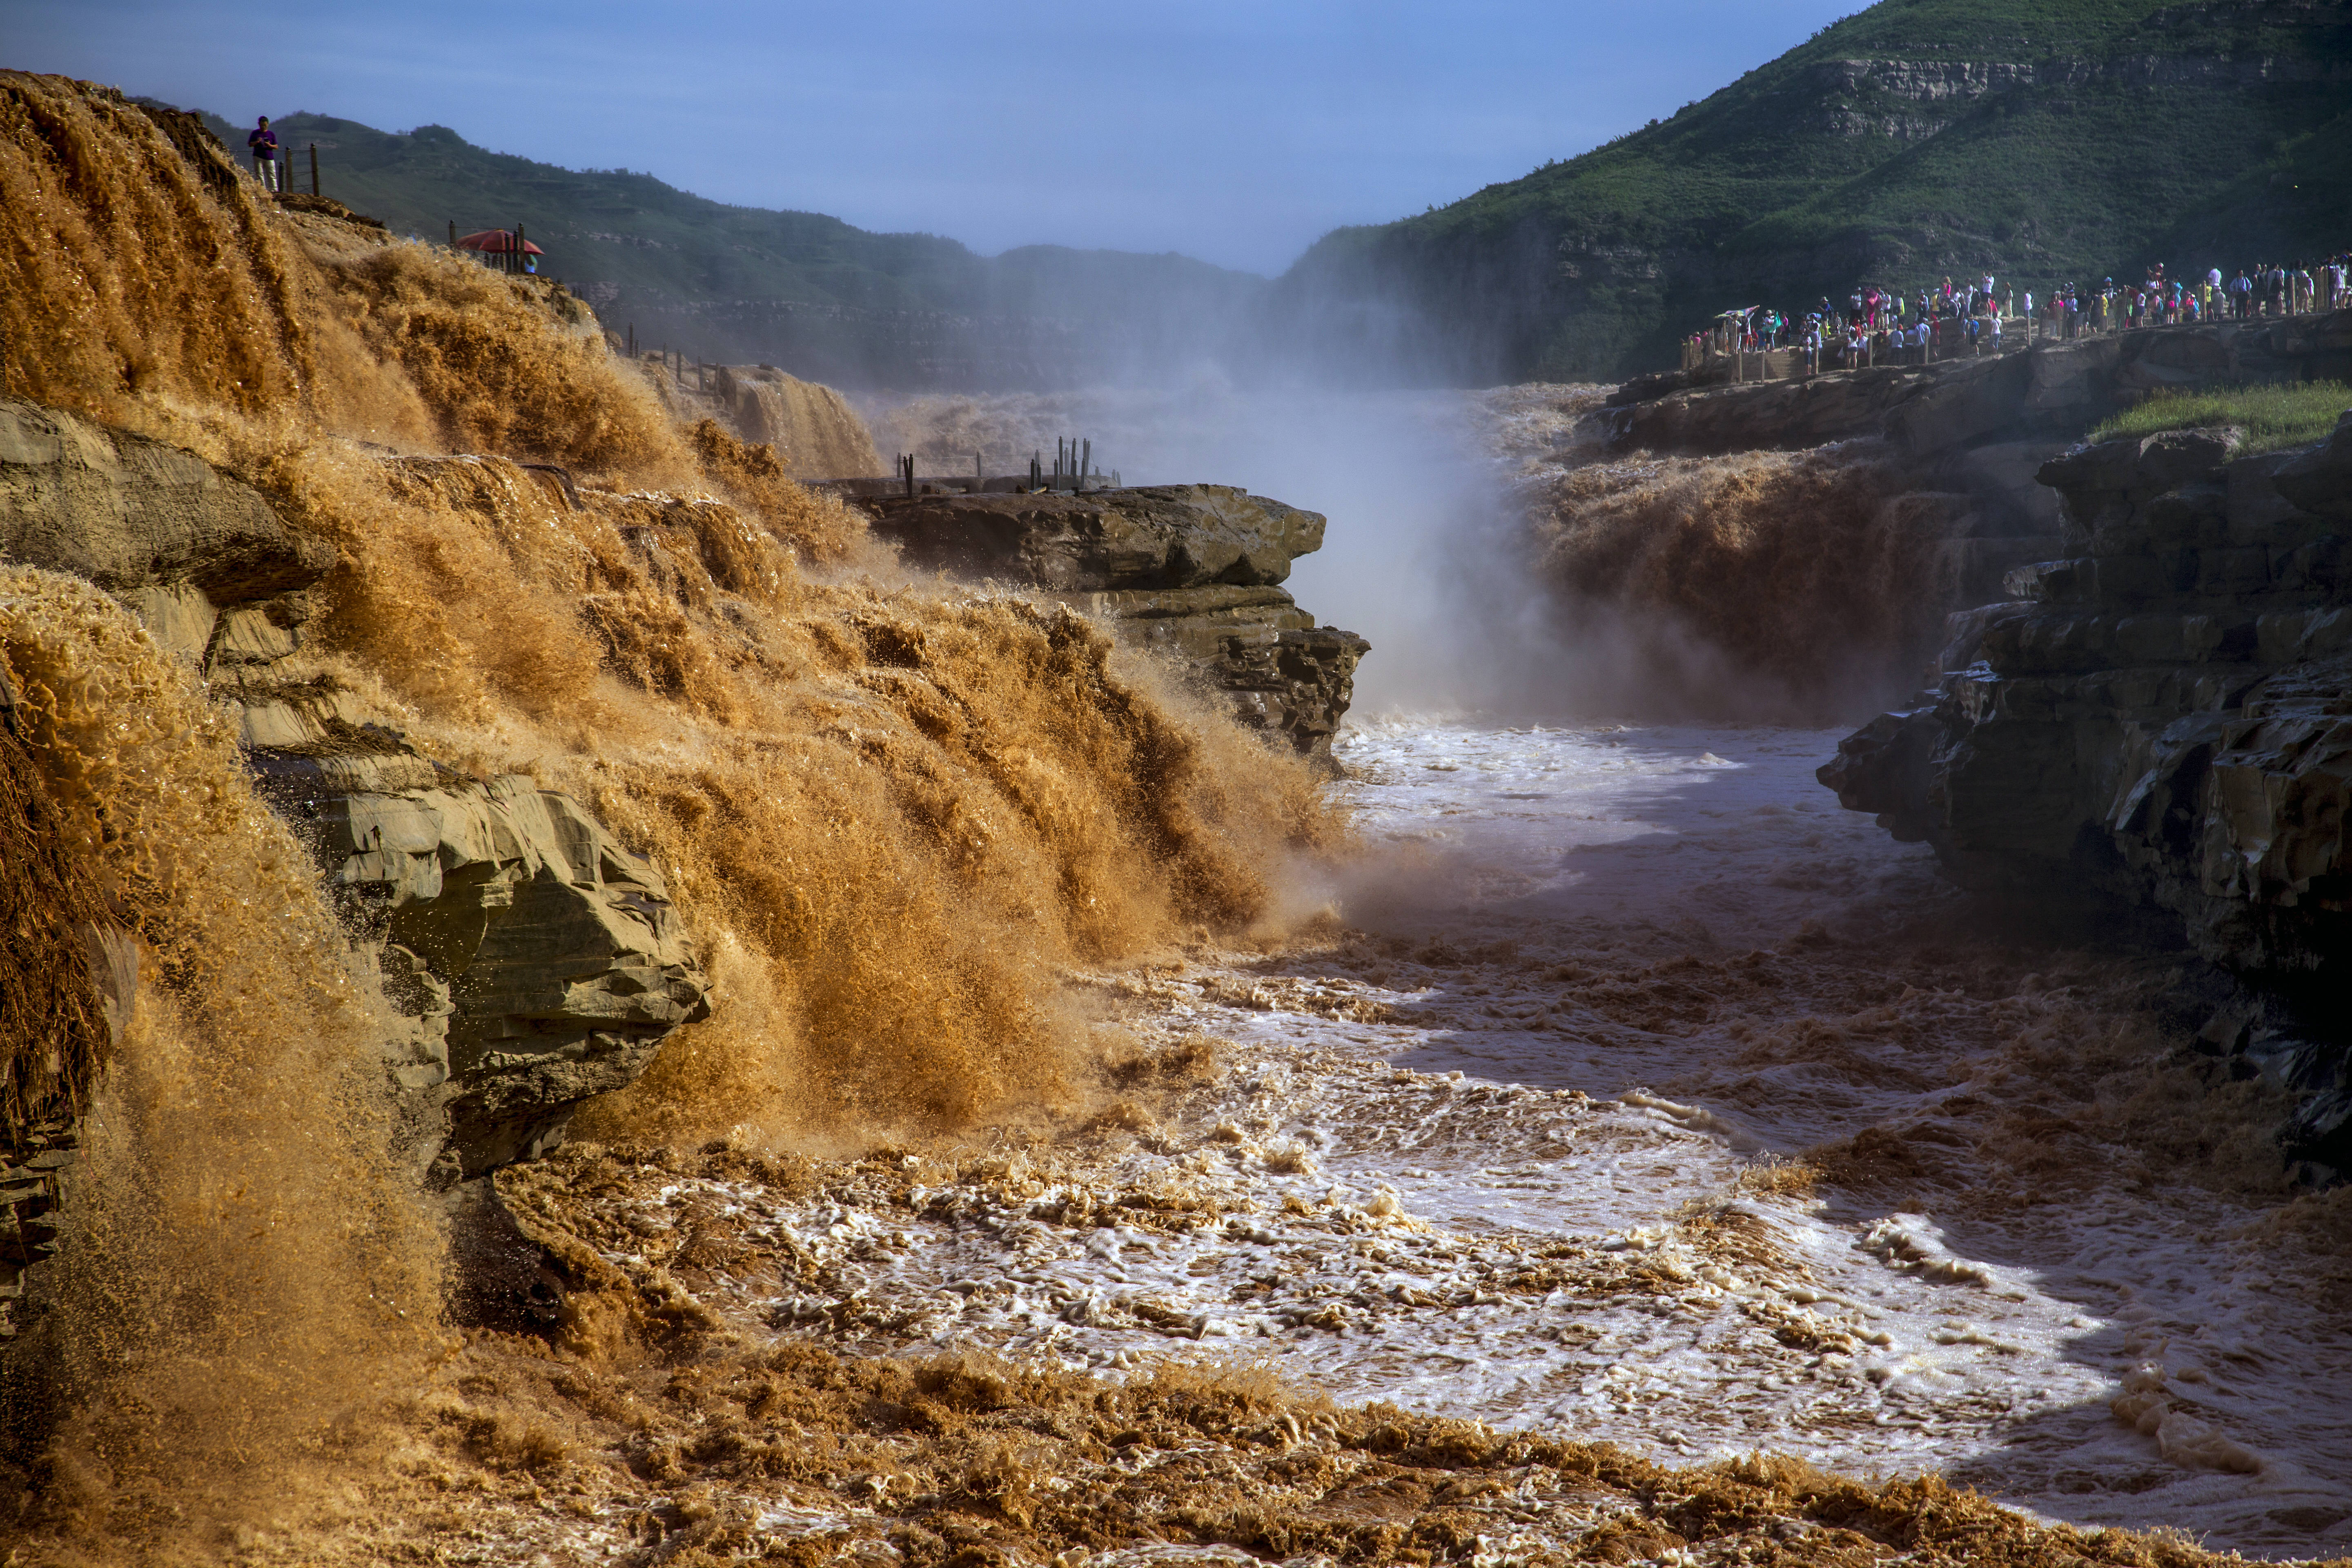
[1456, 1187]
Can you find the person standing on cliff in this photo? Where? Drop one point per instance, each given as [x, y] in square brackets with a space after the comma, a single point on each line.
[263, 142]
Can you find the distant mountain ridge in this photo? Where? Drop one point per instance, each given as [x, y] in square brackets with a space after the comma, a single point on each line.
[2040, 140]
[818, 296]
[2044, 140]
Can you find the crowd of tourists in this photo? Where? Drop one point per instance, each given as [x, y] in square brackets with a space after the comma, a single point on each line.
[1980, 315]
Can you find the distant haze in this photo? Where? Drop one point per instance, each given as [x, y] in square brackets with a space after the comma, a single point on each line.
[1235, 130]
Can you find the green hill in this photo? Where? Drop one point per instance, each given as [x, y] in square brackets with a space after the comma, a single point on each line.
[2041, 140]
[800, 289]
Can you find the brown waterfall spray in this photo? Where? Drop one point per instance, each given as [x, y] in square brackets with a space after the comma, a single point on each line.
[1764, 585]
[892, 816]
[243, 1262]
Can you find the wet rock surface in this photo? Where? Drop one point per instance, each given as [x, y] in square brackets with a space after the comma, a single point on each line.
[1167, 536]
[528, 961]
[1190, 570]
[533, 962]
[152, 524]
[2164, 718]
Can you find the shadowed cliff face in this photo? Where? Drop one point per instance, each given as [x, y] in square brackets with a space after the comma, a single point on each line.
[2160, 719]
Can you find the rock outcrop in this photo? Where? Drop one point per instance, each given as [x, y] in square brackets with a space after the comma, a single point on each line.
[530, 960]
[1192, 570]
[146, 522]
[2164, 717]
[2048, 391]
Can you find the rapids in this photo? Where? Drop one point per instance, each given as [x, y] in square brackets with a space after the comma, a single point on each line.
[1632, 1091]
[1084, 1113]
[1636, 1100]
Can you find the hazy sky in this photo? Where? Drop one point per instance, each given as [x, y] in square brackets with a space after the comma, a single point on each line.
[1234, 130]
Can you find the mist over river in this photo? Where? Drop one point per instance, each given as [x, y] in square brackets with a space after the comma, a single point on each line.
[1421, 555]
[1636, 1091]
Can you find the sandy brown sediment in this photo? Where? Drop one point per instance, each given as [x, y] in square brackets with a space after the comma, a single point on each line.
[887, 815]
[677, 1417]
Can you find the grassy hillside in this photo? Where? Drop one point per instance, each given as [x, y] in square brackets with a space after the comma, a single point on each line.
[2042, 139]
[800, 289]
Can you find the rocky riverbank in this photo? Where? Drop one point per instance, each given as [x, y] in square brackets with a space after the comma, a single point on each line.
[2160, 717]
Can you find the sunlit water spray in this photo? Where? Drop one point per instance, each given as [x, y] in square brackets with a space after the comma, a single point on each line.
[1660, 1100]
[1522, 1152]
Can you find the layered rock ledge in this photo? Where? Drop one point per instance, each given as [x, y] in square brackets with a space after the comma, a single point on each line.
[529, 960]
[2164, 717]
[2048, 390]
[1191, 569]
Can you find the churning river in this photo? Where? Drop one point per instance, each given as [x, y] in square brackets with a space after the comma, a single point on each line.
[1641, 1094]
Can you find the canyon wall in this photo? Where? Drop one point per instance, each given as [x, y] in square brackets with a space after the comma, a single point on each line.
[1868, 504]
[2162, 719]
[2138, 652]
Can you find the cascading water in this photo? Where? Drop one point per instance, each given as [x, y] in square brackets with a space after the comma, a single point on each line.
[1082, 1109]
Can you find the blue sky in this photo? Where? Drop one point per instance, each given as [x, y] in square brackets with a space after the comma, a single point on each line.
[1234, 131]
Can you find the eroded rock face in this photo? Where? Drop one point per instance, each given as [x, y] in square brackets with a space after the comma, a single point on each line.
[1171, 536]
[535, 962]
[140, 518]
[1191, 569]
[529, 960]
[2164, 716]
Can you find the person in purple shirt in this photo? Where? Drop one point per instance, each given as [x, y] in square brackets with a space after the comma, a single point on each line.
[264, 145]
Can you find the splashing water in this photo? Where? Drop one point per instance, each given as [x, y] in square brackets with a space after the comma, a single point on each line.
[247, 1259]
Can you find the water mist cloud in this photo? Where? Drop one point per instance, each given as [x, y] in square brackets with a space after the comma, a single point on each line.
[1423, 553]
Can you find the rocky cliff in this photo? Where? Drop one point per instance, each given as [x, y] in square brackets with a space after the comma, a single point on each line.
[1964, 439]
[1192, 570]
[2163, 718]
[526, 960]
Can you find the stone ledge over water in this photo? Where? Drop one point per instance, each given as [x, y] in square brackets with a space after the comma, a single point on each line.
[1190, 570]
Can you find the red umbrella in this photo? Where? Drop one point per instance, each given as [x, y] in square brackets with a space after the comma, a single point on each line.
[497, 239]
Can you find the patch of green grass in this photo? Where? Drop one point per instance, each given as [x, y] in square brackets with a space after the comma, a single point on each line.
[2272, 416]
